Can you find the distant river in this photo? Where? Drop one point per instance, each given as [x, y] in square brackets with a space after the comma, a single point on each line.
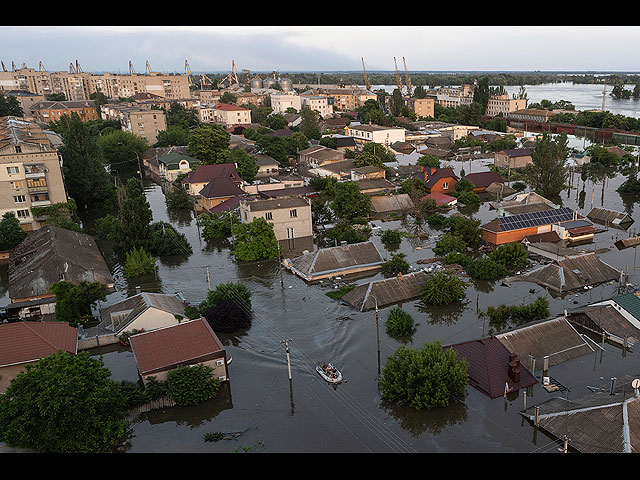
[582, 96]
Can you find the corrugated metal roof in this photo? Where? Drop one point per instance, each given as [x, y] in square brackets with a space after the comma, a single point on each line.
[630, 302]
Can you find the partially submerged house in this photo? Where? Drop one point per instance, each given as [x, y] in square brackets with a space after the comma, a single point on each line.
[338, 261]
[610, 218]
[442, 180]
[145, 310]
[570, 273]
[493, 369]
[391, 203]
[481, 180]
[25, 343]
[605, 421]
[389, 291]
[442, 199]
[512, 228]
[192, 342]
[50, 255]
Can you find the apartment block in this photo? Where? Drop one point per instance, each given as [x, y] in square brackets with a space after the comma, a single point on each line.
[30, 171]
[228, 114]
[145, 123]
[47, 111]
[364, 134]
[281, 101]
[319, 103]
[422, 107]
[503, 104]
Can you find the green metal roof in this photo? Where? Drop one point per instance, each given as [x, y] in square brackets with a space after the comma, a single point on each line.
[174, 158]
[630, 302]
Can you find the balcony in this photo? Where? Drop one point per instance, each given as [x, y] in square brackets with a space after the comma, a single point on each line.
[41, 203]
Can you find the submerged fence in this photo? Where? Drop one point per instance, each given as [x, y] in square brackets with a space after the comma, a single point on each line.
[162, 402]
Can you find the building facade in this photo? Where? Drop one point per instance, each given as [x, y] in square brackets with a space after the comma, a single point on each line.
[364, 134]
[47, 111]
[30, 171]
[290, 216]
[281, 101]
[503, 104]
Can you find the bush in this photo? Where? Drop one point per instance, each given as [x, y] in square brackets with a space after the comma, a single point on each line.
[469, 198]
[449, 243]
[178, 199]
[391, 237]
[192, 384]
[501, 314]
[456, 258]
[486, 269]
[228, 316]
[512, 255]
[350, 232]
[425, 378]
[468, 229]
[399, 323]
[227, 291]
[438, 221]
[215, 226]
[396, 265]
[168, 241]
[443, 289]
[338, 293]
[138, 263]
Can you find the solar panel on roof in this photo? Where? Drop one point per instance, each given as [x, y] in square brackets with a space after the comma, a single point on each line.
[533, 219]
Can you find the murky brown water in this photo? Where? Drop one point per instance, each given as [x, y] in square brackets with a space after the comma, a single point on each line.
[259, 404]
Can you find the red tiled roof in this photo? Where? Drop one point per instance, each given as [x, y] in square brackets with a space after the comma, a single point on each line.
[431, 178]
[221, 187]
[441, 198]
[186, 343]
[488, 369]
[228, 107]
[22, 342]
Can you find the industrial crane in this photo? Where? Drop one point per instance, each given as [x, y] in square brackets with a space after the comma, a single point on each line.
[131, 69]
[4, 69]
[41, 67]
[187, 72]
[398, 81]
[406, 76]
[232, 76]
[366, 79]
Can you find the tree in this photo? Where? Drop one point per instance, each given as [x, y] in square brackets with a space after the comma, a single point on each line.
[210, 144]
[228, 316]
[10, 106]
[395, 266]
[276, 121]
[481, 93]
[442, 289]
[180, 116]
[85, 177]
[349, 202]
[548, 172]
[168, 241]
[469, 198]
[134, 218]
[138, 262]
[425, 378]
[228, 98]
[399, 323]
[173, 135]
[254, 240]
[513, 255]
[238, 292]
[485, 269]
[350, 231]
[310, 124]
[65, 403]
[75, 301]
[178, 199]
[246, 164]
[468, 229]
[122, 150]
[391, 237]
[449, 243]
[11, 234]
[192, 384]
[429, 161]
[215, 226]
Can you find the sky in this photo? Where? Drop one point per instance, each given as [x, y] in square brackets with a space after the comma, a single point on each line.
[322, 48]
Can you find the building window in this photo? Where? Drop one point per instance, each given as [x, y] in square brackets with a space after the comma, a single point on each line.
[293, 213]
[16, 185]
[22, 213]
[268, 216]
[445, 185]
[19, 198]
[13, 170]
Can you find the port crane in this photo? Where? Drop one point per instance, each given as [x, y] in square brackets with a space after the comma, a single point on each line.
[406, 76]
[366, 79]
[398, 80]
[233, 76]
[187, 72]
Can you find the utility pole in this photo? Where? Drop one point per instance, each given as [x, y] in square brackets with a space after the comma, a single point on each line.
[377, 331]
[286, 344]
[208, 277]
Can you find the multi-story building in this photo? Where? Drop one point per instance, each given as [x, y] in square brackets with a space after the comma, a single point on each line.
[364, 134]
[47, 111]
[30, 171]
[26, 100]
[78, 85]
[319, 103]
[281, 101]
[228, 114]
[422, 107]
[503, 104]
[290, 216]
[531, 115]
[145, 123]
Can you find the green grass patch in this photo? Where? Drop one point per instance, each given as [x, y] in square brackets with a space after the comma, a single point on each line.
[338, 293]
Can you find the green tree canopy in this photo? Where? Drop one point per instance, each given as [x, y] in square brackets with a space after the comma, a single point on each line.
[122, 150]
[349, 202]
[425, 378]
[65, 403]
[254, 240]
[74, 301]
[11, 234]
[548, 172]
[209, 143]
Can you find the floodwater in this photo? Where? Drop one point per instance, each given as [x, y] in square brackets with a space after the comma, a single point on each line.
[260, 409]
[260, 404]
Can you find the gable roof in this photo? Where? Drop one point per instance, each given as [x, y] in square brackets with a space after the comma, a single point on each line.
[121, 314]
[52, 254]
[206, 173]
[221, 187]
[22, 342]
[484, 179]
[431, 179]
[390, 203]
[174, 158]
[488, 368]
[385, 292]
[187, 343]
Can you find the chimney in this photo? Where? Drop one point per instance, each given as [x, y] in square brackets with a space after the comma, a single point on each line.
[514, 368]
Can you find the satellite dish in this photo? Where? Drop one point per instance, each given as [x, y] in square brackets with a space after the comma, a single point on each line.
[636, 383]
